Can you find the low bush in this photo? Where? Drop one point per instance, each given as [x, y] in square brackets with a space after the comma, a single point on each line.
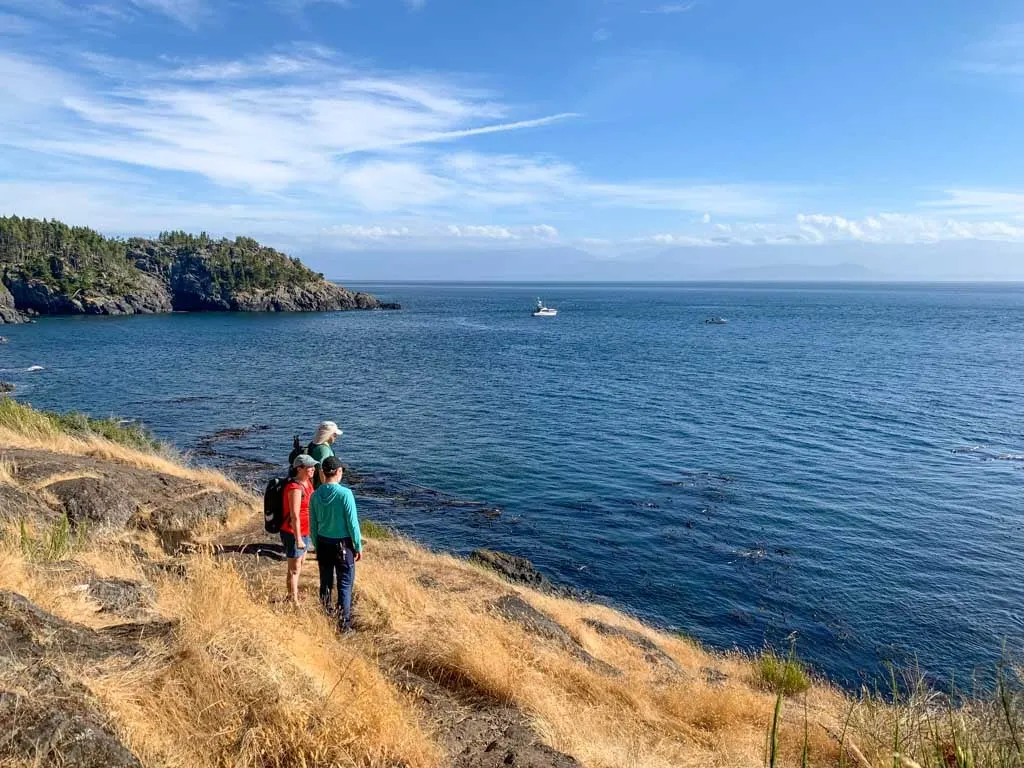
[783, 675]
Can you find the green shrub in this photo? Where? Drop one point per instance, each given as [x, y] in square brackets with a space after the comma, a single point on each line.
[24, 419]
[782, 675]
[372, 530]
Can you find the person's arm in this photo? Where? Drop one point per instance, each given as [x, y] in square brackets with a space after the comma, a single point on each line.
[294, 504]
[352, 516]
[314, 519]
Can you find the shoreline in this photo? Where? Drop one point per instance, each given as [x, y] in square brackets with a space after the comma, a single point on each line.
[187, 590]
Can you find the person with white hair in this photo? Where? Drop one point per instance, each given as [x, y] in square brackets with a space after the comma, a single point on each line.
[321, 448]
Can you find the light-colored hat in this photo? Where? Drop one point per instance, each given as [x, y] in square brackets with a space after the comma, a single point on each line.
[303, 460]
[325, 432]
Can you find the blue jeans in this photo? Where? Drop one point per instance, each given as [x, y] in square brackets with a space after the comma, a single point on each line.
[335, 557]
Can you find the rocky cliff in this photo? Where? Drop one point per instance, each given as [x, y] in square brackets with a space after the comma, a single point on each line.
[47, 267]
[8, 312]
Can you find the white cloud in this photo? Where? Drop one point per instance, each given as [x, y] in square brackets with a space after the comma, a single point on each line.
[297, 6]
[436, 235]
[488, 232]
[905, 229]
[265, 125]
[308, 122]
[671, 8]
[973, 201]
[187, 12]
[94, 14]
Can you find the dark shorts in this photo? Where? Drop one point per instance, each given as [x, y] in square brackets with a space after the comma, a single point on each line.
[290, 550]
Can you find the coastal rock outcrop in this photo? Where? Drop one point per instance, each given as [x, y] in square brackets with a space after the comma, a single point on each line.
[519, 570]
[8, 311]
[55, 720]
[49, 268]
[90, 492]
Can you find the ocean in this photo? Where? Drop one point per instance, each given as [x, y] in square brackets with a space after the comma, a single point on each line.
[844, 462]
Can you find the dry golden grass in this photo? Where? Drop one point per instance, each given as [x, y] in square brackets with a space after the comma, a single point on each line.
[44, 439]
[62, 477]
[247, 685]
[643, 717]
[246, 682]
[8, 473]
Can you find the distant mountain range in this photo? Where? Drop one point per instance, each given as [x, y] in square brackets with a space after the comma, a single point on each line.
[802, 272]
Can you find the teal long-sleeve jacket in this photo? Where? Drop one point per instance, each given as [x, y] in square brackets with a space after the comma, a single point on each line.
[332, 513]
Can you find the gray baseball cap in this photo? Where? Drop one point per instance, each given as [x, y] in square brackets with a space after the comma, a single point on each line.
[303, 460]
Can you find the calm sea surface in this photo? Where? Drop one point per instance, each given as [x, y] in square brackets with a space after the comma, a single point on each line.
[842, 461]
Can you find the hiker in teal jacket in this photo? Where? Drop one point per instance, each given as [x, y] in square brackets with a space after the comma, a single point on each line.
[334, 530]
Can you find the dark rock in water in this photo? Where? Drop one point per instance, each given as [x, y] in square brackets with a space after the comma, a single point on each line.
[519, 570]
[516, 609]
[653, 652]
[6, 387]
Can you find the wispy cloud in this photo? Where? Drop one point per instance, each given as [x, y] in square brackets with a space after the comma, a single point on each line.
[1001, 55]
[306, 122]
[263, 124]
[106, 12]
[979, 201]
[671, 8]
[297, 6]
[187, 12]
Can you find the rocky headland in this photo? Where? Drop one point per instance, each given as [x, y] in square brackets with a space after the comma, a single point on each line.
[49, 268]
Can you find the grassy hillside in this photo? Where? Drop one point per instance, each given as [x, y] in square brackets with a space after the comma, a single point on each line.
[450, 665]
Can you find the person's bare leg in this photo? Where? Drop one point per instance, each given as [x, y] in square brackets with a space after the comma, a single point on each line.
[294, 569]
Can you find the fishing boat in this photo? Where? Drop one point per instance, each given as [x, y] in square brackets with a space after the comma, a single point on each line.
[542, 311]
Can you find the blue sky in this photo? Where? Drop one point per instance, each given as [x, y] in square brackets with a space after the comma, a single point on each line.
[555, 138]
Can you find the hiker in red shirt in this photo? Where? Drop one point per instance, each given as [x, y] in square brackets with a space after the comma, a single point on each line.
[295, 526]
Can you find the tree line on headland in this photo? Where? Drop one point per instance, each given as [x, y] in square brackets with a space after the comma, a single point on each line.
[49, 267]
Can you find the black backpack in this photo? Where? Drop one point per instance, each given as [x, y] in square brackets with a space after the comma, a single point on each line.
[273, 496]
[297, 450]
[273, 504]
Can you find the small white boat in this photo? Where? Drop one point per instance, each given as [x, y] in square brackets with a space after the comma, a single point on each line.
[543, 311]
[716, 321]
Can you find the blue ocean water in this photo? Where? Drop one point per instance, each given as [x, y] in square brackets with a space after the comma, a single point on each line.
[842, 461]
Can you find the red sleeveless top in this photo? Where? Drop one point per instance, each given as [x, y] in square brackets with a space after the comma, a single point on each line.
[307, 491]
